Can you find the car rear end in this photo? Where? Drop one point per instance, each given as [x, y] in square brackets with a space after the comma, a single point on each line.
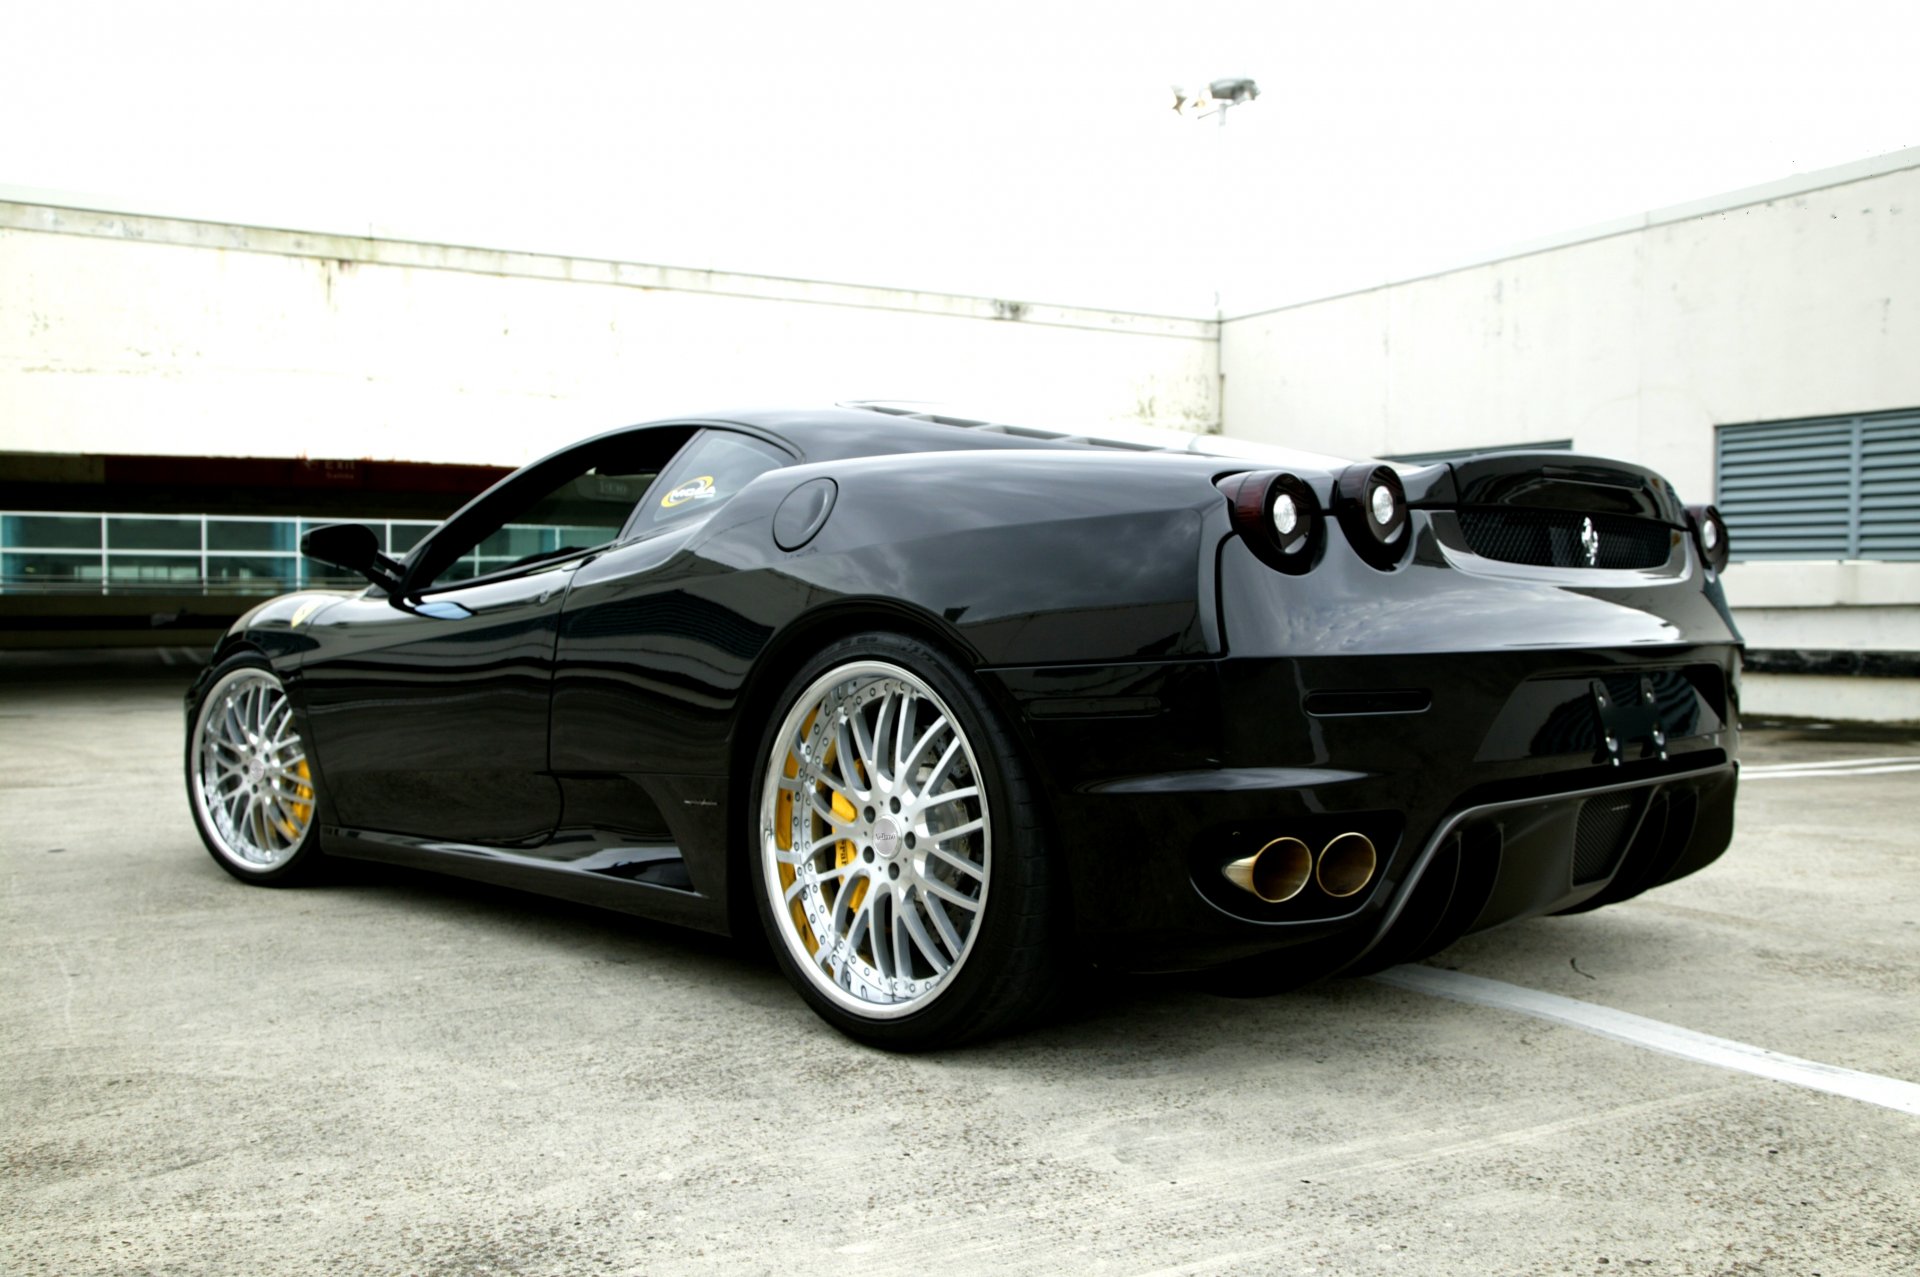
[1447, 698]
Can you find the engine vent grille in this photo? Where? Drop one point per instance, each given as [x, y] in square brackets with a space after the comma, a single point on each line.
[1601, 836]
[1559, 538]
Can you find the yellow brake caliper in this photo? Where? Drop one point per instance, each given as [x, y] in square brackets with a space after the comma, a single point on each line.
[302, 805]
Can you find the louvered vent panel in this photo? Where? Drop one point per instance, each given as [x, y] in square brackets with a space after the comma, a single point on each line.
[1836, 488]
[1890, 488]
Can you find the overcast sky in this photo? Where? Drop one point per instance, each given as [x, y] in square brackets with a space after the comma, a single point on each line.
[1015, 150]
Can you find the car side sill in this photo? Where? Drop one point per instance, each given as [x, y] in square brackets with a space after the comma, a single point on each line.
[603, 881]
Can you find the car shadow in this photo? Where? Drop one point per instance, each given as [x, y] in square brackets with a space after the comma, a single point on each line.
[1106, 1023]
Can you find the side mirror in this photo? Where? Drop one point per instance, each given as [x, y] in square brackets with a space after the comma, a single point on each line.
[355, 547]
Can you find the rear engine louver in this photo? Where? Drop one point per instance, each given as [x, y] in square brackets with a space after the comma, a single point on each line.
[1554, 538]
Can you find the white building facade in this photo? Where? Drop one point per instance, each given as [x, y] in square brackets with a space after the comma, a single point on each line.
[1761, 349]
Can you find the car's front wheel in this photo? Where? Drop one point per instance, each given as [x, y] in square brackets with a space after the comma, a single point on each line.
[249, 779]
[901, 872]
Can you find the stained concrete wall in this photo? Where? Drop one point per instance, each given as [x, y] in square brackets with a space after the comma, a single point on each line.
[151, 335]
[1635, 343]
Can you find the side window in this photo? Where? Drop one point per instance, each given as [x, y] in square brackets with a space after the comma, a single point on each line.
[580, 513]
[551, 511]
[706, 473]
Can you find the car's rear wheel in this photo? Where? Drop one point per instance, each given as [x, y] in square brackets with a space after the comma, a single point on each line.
[901, 872]
[250, 781]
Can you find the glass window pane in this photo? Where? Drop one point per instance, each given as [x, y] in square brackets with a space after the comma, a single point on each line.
[236, 534]
[51, 531]
[516, 541]
[153, 534]
[50, 571]
[590, 492]
[584, 538]
[402, 537]
[158, 570]
[592, 508]
[262, 573]
[706, 473]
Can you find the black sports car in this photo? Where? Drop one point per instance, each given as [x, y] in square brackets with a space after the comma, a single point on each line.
[947, 707]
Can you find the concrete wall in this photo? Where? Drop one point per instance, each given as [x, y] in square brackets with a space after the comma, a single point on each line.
[127, 333]
[1635, 341]
[151, 335]
[1633, 344]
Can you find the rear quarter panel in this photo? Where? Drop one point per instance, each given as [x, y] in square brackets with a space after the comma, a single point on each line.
[1005, 558]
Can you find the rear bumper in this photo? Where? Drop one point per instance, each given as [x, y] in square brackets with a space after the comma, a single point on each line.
[1494, 786]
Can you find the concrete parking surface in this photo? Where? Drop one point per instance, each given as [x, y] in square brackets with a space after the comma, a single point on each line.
[407, 1074]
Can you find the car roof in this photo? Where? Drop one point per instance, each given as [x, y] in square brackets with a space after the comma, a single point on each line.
[839, 433]
[878, 428]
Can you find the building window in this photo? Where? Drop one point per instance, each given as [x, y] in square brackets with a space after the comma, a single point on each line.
[51, 531]
[154, 533]
[69, 553]
[73, 553]
[1822, 488]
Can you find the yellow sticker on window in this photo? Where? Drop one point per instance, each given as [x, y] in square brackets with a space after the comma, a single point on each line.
[700, 489]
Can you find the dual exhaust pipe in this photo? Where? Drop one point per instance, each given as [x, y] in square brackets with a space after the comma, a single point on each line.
[1282, 869]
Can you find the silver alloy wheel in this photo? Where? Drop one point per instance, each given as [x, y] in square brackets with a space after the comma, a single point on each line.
[252, 787]
[875, 839]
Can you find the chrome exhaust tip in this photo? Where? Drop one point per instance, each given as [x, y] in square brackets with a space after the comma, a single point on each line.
[1277, 872]
[1346, 865]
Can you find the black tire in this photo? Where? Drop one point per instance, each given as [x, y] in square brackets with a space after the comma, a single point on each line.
[903, 859]
[251, 786]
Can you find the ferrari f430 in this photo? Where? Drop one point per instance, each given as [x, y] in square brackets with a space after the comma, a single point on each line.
[950, 711]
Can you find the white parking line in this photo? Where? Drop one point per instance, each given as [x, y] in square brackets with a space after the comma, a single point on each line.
[1828, 772]
[1836, 764]
[1669, 1039]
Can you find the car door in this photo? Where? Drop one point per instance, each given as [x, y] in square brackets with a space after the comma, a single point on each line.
[642, 640]
[429, 707]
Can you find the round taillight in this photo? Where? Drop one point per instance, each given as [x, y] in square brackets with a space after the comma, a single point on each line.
[1382, 504]
[1711, 532]
[1277, 516]
[1371, 505]
[1286, 514]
